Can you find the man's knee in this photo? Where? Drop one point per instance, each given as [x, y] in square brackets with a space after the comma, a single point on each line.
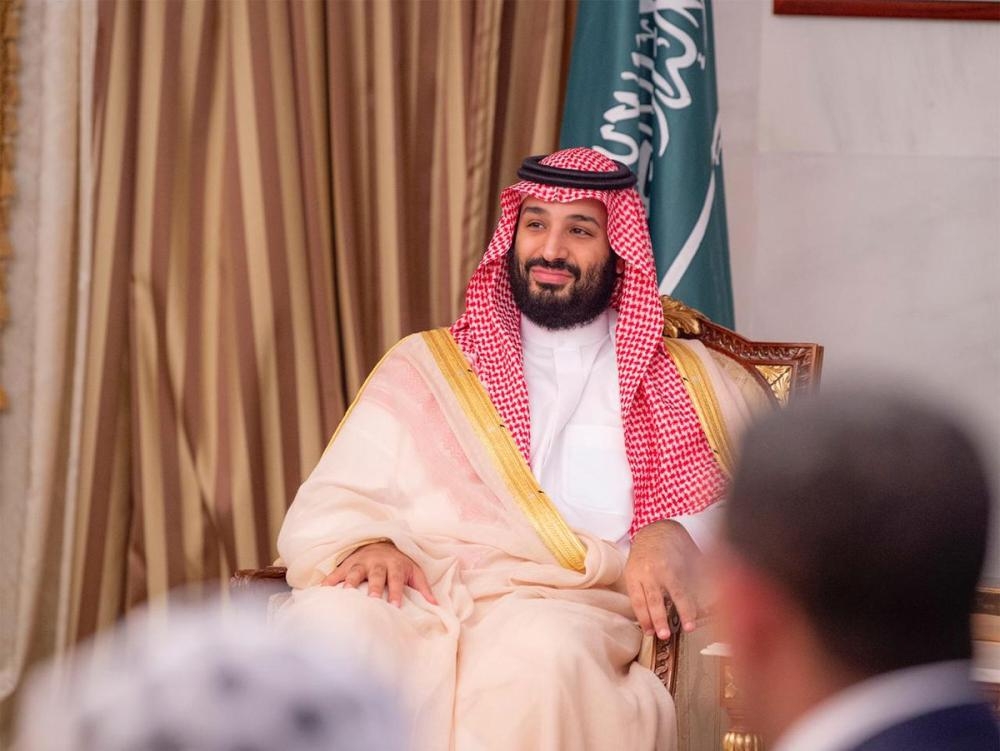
[549, 635]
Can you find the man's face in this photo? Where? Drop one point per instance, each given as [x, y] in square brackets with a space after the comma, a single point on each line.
[562, 270]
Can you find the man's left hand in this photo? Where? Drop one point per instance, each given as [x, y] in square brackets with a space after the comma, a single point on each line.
[664, 561]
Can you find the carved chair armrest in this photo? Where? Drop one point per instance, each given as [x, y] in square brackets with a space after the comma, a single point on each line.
[259, 582]
[666, 652]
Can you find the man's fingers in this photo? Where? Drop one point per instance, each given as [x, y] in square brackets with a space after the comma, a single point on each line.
[419, 582]
[637, 596]
[658, 612]
[384, 573]
[376, 581]
[355, 575]
[687, 608]
[335, 577]
[397, 581]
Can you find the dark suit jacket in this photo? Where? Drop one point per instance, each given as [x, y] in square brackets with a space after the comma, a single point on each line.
[968, 727]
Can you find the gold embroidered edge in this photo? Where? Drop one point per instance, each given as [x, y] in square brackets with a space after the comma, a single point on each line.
[702, 395]
[567, 548]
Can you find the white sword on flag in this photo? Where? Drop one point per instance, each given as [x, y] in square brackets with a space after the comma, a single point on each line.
[683, 259]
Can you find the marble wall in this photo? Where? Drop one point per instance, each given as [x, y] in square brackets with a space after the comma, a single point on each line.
[862, 162]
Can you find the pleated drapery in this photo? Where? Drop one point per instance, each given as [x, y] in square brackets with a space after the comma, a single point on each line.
[281, 191]
[10, 11]
[47, 274]
[433, 105]
[211, 373]
[230, 210]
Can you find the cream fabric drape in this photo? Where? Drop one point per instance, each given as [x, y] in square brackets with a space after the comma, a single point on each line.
[526, 609]
[245, 204]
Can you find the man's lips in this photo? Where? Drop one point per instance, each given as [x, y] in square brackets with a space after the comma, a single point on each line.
[543, 275]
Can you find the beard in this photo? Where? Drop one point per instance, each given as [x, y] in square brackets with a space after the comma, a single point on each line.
[549, 305]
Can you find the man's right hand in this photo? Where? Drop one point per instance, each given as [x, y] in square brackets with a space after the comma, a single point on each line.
[383, 566]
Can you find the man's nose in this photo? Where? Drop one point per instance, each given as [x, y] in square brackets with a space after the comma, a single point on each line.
[555, 248]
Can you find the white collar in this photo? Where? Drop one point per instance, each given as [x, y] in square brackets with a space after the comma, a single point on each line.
[595, 332]
[866, 708]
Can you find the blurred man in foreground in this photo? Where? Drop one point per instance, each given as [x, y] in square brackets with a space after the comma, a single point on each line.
[204, 677]
[854, 537]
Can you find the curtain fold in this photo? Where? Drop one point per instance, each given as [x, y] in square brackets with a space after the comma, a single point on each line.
[46, 276]
[266, 196]
[433, 105]
[212, 374]
[10, 13]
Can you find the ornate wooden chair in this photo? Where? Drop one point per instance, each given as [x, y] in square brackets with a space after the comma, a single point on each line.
[785, 372]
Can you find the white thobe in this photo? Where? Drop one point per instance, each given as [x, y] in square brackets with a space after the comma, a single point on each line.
[577, 438]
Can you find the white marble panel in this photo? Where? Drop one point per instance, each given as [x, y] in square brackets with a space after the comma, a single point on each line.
[893, 263]
[879, 86]
[740, 171]
[737, 58]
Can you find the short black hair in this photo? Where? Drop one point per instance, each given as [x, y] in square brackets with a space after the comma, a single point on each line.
[871, 509]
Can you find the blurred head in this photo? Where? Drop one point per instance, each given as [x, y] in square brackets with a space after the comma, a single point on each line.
[854, 537]
[562, 270]
[207, 681]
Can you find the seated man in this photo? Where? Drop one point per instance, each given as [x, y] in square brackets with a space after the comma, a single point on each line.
[506, 497]
[854, 537]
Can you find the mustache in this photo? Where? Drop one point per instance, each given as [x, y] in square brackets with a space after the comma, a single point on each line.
[557, 265]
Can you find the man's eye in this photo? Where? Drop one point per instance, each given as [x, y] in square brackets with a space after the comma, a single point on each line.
[533, 225]
[581, 232]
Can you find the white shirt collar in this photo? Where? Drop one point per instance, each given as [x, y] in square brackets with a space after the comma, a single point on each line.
[867, 708]
[535, 336]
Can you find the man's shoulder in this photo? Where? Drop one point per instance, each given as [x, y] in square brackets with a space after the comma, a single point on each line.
[965, 727]
[402, 348]
[421, 336]
[415, 342]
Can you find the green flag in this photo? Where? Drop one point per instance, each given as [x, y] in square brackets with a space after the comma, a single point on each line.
[642, 91]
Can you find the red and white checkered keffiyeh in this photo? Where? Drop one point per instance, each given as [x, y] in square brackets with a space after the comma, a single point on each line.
[673, 469]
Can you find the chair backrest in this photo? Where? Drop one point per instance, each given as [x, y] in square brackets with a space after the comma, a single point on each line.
[787, 371]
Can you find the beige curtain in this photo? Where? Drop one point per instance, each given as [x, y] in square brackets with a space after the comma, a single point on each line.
[255, 200]
[283, 190]
[433, 105]
[10, 12]
[46, 275]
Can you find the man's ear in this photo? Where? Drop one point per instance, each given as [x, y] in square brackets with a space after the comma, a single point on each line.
[752, 610]
[619, 265]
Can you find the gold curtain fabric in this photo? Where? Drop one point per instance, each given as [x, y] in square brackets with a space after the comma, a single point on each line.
[9, 28]
[47, 282]
[228, 210]
[212, 371]
[282, 190]
[433, 105]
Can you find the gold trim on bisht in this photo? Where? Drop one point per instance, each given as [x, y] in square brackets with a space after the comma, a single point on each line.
[567, 548]
[9, 29]
[702, 395]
